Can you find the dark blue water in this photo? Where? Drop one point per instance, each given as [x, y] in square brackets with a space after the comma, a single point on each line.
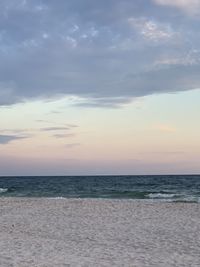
[168, 188]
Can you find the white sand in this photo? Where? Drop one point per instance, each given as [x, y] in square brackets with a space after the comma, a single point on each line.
[61, 232]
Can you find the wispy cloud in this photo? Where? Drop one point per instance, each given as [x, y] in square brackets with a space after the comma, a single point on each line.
[68, 125]
[5, 139]
[49, 129]
[64, 135]
[104, 102]
[14, 131]
[152, 30]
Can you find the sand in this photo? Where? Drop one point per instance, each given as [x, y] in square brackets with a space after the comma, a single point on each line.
[74, 232]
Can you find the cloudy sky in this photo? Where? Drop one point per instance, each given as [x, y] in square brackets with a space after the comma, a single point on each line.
[99, 87]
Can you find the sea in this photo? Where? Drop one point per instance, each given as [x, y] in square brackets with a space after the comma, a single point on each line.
[172, 188]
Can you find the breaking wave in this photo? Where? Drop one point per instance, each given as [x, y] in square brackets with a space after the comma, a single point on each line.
[3, 190]
[161, 195]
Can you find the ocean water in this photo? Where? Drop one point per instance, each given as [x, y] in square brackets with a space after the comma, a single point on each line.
[163, 188]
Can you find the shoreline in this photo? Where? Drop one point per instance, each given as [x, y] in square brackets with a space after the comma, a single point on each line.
[139, 200]
[43, 232]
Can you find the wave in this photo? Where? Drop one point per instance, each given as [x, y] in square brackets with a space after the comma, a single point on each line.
[56, 198]
[174, 197]
[3, 190]
[161, 195]
[192, 199]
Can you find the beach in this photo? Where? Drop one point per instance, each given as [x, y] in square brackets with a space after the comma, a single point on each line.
[45, 232]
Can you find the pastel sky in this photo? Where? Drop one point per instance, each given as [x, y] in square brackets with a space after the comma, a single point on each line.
[99, 87]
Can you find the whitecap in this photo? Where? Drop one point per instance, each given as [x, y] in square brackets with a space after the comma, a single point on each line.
[160, 195]
[3, 190]
[56, 197]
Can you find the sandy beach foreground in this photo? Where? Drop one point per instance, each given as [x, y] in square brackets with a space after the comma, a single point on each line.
[92, 232]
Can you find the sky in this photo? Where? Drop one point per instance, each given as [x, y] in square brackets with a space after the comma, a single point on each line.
[99, 87]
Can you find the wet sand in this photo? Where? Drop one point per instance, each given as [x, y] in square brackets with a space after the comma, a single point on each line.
[92, 232]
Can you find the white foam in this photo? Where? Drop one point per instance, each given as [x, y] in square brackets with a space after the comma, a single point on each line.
[56, 198]
[3, 190]
[160, 195]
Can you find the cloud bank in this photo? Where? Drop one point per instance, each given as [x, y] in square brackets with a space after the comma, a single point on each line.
[106, 52]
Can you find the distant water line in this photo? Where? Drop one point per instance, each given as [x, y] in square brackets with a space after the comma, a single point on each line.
[157, 188]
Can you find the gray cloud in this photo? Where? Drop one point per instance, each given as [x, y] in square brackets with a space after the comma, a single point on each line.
[49, 129]
[5, 139]
[7, 135]
[102, 51]
[64, 135]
